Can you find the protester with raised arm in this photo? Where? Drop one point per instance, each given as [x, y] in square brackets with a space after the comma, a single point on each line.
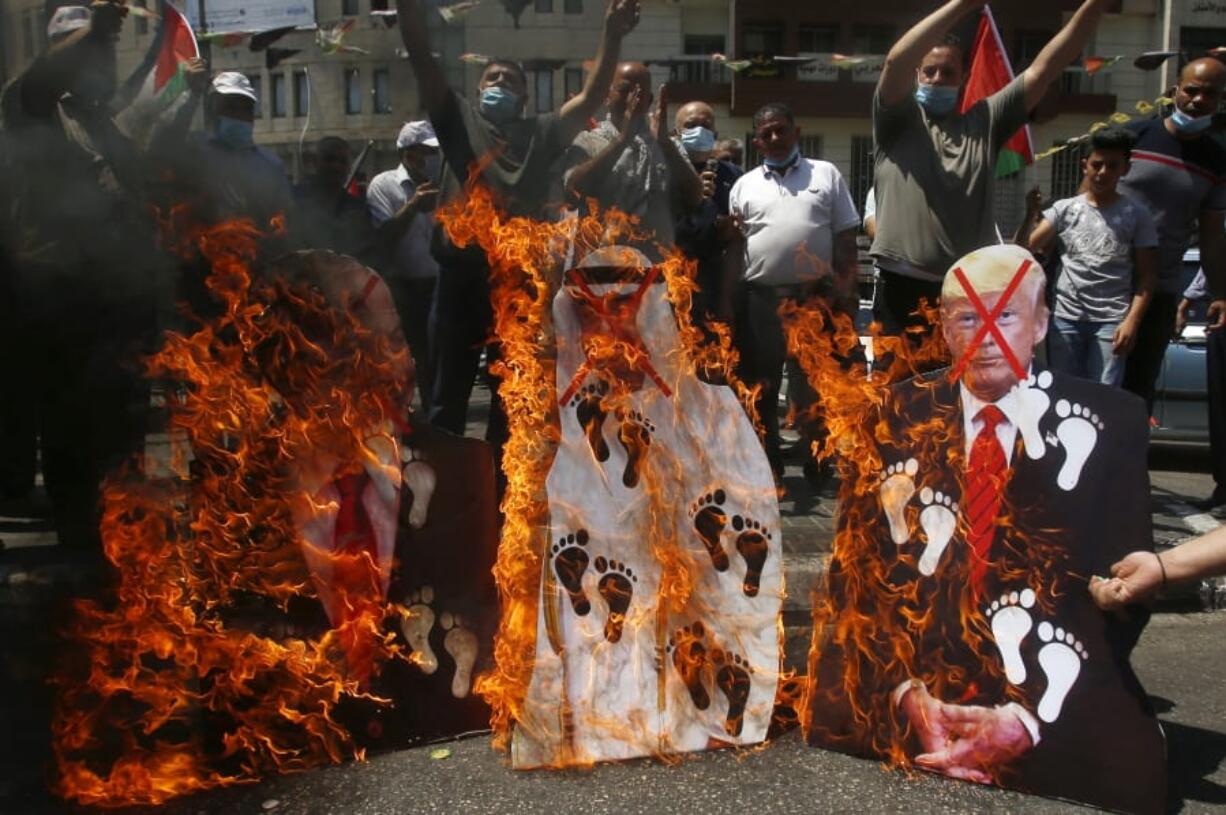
[934, 175]
[522, 150]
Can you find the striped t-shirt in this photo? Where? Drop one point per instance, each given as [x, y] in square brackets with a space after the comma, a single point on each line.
[1175, 179]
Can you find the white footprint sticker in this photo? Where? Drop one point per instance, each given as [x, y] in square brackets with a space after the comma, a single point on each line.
[1036, 401]
[420, 478]
[461, 644]
[897, 488]
[1011, 624]
[1078, 432]
[1061, 660]
[416, 623]
[938, 519]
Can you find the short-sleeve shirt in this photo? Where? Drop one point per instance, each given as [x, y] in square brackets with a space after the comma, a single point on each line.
[802, 206]
[638, 183]
[1175, 179]
[1096, 255]
[386, 194]
[519, 176]
[934, 180]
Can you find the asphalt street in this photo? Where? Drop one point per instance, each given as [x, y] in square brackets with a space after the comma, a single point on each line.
[1180, 660]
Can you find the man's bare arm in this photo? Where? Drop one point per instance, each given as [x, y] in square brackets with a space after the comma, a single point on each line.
[621, 16]
[1213, 261]
[432, 87]
[1060, 51]
[898, 74]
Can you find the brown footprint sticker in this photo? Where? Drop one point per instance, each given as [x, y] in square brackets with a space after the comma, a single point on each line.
[616, 587]
[689, 655]
[635, 435]
[709, 522]
[732, 678]
[569, 563]
[590, 413]
[752, 544]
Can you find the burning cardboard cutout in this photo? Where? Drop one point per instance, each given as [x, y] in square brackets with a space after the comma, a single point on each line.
[191, 676]
[657, 626]
[955, 632]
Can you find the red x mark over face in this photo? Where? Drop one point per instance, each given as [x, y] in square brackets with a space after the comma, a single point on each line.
[611, 320]
[989, 323]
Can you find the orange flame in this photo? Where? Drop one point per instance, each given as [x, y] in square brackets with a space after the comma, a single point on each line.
[862, 610]
[527, 258]
[165, 692]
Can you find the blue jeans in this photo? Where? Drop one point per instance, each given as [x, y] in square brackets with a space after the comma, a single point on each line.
[1083, 348]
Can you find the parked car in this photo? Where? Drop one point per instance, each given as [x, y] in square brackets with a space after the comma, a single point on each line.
[1181, 398]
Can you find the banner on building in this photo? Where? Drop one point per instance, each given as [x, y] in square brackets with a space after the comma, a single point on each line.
[225, 16]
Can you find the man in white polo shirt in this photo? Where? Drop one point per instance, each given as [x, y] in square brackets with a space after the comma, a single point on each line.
[401, 204]
[800, 225]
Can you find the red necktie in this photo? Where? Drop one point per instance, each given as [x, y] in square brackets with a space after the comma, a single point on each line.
[354, 532]
[355, 577]
[986, 477]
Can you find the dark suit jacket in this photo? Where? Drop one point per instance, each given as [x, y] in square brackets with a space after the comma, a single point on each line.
[881, 622]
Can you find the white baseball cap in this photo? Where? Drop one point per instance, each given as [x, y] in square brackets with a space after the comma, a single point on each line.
[67, 19]
[419, 132]
[232, 82]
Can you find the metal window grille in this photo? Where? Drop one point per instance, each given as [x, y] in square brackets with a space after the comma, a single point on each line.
[861, 169]
[382, 90]
[573, 81]
[278, 95]
[1066, 173]
[353, 91]
[544, 91]
[302, 94]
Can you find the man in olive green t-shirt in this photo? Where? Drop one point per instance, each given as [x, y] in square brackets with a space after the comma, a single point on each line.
[935, 167]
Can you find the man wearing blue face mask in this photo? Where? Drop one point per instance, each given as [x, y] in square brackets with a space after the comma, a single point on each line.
[238, 177]
[523, 150]
[1177, 171]
[934, 176]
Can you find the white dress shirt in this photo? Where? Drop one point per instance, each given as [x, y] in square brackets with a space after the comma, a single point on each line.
[385, 195]
[1006, 432]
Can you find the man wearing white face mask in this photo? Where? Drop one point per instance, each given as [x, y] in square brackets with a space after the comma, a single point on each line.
[401, 204]
[1177, 171]
[935, 167]
[523, 150]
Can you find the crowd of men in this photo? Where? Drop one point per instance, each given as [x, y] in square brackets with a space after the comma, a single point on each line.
[84, 287]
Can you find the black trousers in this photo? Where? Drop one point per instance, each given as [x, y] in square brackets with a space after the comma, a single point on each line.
[896, 297]
[78, 386]
[461, 324]
[414, 301]
[1153, 336]
[762, 346]
[1215, 360]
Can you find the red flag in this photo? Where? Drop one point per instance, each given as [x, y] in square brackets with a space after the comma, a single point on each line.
[991, 71]
[177, 47]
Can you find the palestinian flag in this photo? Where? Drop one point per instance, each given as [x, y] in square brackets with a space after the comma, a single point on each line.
[159, 80]
[991, 71]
